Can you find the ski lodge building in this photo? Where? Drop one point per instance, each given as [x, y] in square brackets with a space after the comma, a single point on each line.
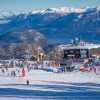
[78, 50]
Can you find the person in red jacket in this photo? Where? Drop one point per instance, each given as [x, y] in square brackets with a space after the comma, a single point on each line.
[23, 72]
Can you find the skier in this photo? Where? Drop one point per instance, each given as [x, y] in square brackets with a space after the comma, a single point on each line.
[23, 72]
[27, 82]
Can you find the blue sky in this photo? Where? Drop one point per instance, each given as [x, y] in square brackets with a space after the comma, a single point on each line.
[28, 5]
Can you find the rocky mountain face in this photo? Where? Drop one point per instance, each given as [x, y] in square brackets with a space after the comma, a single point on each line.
[50, 26]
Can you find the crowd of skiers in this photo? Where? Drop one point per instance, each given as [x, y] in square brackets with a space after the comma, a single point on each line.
[21, 68]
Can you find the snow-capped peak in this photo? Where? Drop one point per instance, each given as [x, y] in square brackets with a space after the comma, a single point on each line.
[98, 8]
[6, 14]
[60, 10]
[71, 9]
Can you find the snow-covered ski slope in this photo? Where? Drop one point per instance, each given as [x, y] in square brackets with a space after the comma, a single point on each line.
[51, 86]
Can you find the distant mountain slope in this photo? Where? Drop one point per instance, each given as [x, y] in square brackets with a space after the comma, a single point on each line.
[55, 25]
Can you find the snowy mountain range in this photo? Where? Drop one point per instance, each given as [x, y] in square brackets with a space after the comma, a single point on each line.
[54, 25]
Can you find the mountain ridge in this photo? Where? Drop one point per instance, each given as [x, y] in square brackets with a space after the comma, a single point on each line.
[55, 25]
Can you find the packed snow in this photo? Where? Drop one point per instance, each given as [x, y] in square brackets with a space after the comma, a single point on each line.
[46, 85]
[45, 82]
[44, 76]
